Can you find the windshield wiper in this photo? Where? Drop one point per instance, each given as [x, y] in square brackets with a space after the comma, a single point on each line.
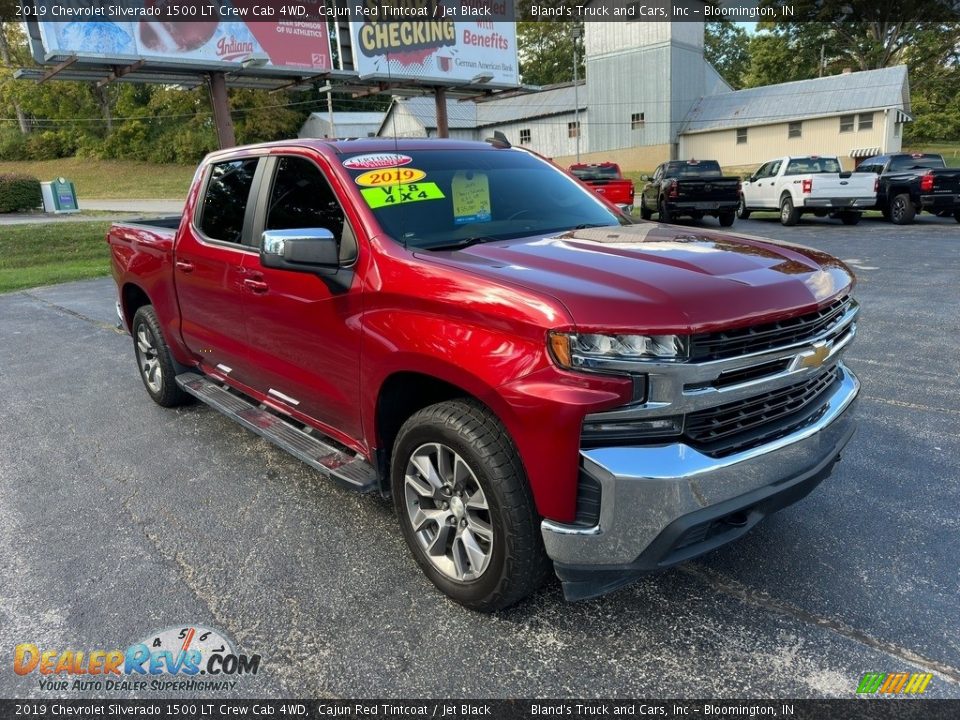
[461, 244]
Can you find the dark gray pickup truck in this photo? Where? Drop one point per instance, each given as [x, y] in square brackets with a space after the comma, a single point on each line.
[694, 188]
[912, 183]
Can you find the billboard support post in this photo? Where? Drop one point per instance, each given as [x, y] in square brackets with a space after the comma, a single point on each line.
[220, 103]
[440, 94]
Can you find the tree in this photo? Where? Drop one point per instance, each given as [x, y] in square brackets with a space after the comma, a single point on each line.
[725, 46]
[546, 51]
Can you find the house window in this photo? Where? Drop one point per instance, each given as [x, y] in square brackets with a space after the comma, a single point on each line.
[846, 123]
[865, 121]
[525, 136]
[795, 130]
[637, 121]
[573, 129]
[741, 136]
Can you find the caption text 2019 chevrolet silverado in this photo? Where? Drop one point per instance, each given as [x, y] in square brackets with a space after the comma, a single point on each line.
[535, 379]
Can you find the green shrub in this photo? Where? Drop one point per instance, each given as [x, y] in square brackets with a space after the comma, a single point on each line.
[13, 144]
[19, 192]
[49, 145]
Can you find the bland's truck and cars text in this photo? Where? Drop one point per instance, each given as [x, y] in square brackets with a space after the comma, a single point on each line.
[537, 381]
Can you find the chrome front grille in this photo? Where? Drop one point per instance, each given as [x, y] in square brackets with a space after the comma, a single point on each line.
[758, 338]
[737, 426]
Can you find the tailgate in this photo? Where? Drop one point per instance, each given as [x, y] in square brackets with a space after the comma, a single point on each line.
[946, 181]
[708, 190]
[616, 191]
[830, 185]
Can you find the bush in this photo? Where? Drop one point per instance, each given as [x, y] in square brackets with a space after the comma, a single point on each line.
[13, 144]
[49, 145]
[19, 192]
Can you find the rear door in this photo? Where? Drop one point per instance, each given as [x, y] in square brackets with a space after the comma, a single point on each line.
[304, 329]
[208, 269]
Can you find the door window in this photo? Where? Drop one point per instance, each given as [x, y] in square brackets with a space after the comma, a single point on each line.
[225, 203]
[301, 197]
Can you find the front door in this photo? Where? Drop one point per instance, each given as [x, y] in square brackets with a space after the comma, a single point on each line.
[304, 330]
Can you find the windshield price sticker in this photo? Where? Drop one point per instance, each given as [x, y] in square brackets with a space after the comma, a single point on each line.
[390, 176]
[387, 195]
[471, 198]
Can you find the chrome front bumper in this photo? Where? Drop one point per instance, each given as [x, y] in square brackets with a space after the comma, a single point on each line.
[655, 499]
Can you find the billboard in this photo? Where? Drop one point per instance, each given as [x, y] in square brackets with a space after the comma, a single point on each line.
[217, 43]
[445, 52]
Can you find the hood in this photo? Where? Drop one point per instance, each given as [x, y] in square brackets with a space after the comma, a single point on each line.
[661, 278]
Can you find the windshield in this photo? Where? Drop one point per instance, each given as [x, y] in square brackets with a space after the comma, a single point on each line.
[704, 169]
[812, 165]
[596, 172]
[433, 198]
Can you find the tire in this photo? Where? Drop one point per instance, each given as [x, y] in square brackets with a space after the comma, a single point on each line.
[902, 210]
[155, 362]
[850, 218]
[489, 498]
[726, 218]
[789, 215]
[663, 212]
[645, 212]
[743, 213]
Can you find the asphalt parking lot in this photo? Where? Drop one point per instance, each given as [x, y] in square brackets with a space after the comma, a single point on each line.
[121, 518]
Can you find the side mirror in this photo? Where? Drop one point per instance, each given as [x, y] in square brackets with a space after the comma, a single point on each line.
[303, 250]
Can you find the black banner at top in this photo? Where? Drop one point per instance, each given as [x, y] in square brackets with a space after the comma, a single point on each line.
[174, 11]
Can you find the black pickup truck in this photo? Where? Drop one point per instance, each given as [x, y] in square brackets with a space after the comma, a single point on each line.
[690, 187]
[911, 183]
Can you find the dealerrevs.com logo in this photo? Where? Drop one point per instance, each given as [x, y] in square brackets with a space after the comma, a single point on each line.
[179, 659]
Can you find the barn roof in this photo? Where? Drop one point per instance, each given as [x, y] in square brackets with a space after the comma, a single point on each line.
[851, 92]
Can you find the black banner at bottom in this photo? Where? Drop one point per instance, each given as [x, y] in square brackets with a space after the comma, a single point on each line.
[854, 709]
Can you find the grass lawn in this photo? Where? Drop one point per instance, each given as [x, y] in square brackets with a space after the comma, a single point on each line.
[112, 179]
[44, 254]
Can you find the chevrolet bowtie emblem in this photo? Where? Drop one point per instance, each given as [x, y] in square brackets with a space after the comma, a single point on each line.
[814, 358]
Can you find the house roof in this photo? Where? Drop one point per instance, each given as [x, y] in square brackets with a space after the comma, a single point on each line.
[831, 95]
[350, 118]
[468, 114]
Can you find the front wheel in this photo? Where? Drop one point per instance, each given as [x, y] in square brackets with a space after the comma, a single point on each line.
[465, 508]
[742, 212]
[157, 365]
[726, 219]
[789, 215]
[850, 218]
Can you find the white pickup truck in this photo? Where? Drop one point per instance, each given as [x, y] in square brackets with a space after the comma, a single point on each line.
[811, 184]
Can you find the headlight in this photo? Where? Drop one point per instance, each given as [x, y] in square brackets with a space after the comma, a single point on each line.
[591, 351]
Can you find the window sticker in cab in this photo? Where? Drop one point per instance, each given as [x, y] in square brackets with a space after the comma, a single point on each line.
[389, 176]
[388, 195]
[376, 161]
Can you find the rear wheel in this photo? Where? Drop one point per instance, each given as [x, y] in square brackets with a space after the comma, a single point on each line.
[157, 366]
[663, 212]
[645, 212]
[789, 215]
[742, 212]
[726, 219]
[465, 507]
[902, 210]
[849, 218]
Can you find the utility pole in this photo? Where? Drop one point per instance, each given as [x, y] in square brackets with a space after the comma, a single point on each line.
[576, 88]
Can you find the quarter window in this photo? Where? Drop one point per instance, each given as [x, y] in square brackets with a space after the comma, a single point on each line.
[225, 202]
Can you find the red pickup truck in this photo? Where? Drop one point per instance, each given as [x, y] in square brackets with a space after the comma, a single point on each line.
[606, 179]
[535, 380]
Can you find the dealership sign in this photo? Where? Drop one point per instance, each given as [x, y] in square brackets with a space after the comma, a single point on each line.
[228, 33]
[445, 52]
